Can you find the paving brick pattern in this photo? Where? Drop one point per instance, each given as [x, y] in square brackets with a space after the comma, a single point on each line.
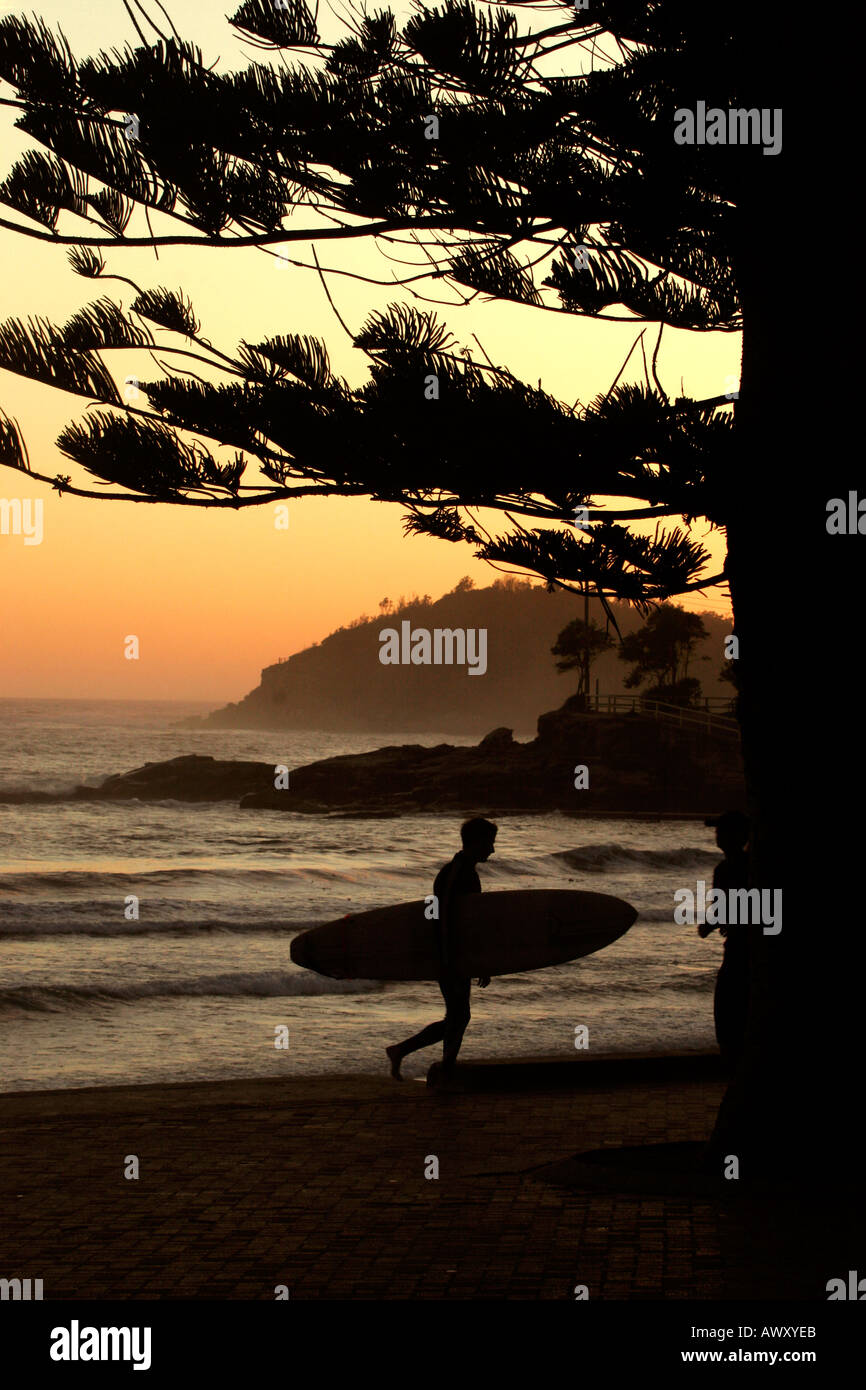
[319, 1185]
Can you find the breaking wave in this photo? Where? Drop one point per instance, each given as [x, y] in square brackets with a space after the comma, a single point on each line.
[264, 985]
[598, 858]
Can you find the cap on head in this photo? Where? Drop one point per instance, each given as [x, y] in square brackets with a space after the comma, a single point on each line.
[731, 827]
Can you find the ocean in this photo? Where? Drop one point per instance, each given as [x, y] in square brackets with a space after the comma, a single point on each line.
[197, 987]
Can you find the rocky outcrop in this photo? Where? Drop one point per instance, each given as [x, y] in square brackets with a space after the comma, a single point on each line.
[633, 765]
[192, 777]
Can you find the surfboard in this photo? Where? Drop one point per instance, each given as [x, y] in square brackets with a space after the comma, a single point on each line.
[493, 934]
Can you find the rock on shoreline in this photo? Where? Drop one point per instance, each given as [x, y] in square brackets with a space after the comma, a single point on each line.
[635, 765]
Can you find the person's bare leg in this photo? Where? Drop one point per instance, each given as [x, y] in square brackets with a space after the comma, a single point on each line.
[397, 1051]
[453, 1041]
[457, 1017]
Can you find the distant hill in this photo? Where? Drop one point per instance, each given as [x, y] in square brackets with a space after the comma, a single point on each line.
[341, 684]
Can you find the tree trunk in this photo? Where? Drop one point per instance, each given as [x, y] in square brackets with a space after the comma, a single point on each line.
[784, 1112]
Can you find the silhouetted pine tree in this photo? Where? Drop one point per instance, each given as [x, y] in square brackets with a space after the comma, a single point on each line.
[457, 134]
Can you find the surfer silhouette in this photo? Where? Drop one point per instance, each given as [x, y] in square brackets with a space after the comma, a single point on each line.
[731, 999]
[478, 837]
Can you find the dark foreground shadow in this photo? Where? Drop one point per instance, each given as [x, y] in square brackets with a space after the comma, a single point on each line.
[777, 1238]
[680, 1169]
[546, 1074]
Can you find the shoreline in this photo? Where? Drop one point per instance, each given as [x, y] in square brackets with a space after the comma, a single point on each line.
[516, 1074]
[639, 765]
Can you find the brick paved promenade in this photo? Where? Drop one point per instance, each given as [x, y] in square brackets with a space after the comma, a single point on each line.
[319, 1184]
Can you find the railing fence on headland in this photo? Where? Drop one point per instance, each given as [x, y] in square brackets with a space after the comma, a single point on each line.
[713, 713]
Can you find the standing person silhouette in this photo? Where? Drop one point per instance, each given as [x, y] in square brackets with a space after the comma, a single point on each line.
[731, 999]
[478, 837]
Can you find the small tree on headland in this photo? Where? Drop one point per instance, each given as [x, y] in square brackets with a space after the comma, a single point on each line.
[577, 646]
[661, 649]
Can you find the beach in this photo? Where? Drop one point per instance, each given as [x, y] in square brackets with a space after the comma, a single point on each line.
[160, 1142]
[315, 1187]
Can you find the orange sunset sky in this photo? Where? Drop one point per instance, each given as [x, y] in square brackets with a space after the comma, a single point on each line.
[214, 596]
